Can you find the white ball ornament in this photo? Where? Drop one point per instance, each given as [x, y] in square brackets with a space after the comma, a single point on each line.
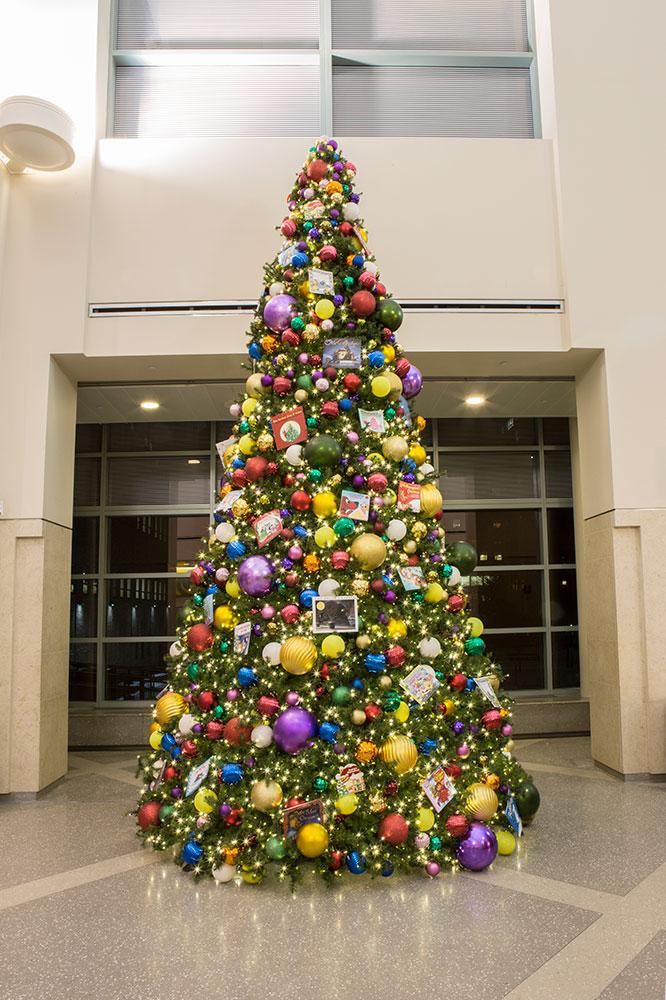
[396, 529]
[294, 454]
[370, 266]
[430, 647]
[235, 410]
[224, 531]
[277, 288]
[185, 723]
[222, 574]
[426, 468]
[322, 384]
[262, 736]
[327, 325]
[271, 653]
[351, 212]
[454, 579]
[329, 587]
[175, 649]
[225, 873]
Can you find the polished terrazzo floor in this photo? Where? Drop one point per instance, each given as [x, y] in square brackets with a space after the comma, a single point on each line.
[579, 913]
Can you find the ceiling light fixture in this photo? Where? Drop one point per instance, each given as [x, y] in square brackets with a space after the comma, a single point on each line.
[474, 400]
[150, 404]
[194, 461]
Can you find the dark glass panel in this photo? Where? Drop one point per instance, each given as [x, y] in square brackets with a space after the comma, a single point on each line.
[561, 540]
[82, 671]
[499, 536]
[563, 598]
[169, 436]
[507, 600]
[566, 660]
[85, 545]
[134, 671]
[477, 431]
[521, 657]
[155, 543]
[83, 609]
[137, 606]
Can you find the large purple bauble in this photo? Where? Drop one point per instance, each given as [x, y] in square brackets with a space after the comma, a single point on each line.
[412, 382]
[278, 312]
[293, 729]
[255, 575]
[478, 848]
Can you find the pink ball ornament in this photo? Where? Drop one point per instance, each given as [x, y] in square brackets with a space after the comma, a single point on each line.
[367, 280]
[235, 410]
[295, 552]
[288, 227]
[352, 437]
[328, 253]
[202, 821]
[198, 575]
[378, 482]
[421, 841]
[507, 729]
[292, 698]
[322, 385]
[463, 751]
[303, 358]
[267, 612]
[432, 869]
[492, 718]
[340, 559]
[232, 694]
[290, 614]
[222, 574]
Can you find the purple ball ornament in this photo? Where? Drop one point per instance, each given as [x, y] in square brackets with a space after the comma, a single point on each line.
[412, 383]
[278, 312]
[293, 728]
[478, 848]
[293, 698]
[255, 575]
[432, 869]
[458, 727]
[266, 380]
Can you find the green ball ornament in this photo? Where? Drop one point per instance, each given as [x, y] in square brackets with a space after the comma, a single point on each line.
[244, 426]
[391, 701]
[282, 586]
[346, 188]
[389, 313]
[315, 475]
[341, 696]
[275, 849]
[474, 646]
[389, 413]
[197, 600]
[193, 671]
[439, 675]
[463, 555]
[224, 645]
[344, 526]
[446, 570]
[298, 324]
[418, 598]
[320, 784]
[304, 382]
[165, 812]
[348, 281]
[435, 843]
[312, 422]
[528, 801]
[322, 450]
[307, 226]
[218, 711]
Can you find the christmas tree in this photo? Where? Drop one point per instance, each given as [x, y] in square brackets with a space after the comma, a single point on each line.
[330, 704]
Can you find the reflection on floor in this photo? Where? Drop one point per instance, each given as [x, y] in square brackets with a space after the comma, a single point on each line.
[579, 913]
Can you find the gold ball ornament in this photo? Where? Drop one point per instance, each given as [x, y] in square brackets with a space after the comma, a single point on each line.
[410, 547]
[265, 441]
[324, 504]
[253, 386]
[396, 628]
[449, 706]
[240, 508]
[362, 641]
[366, 752]
[492, 781]
[395, 384]
[494, 682]
[401, 752]
[248, 406]
[169, 707]
[358, 717]
[251, 875]
[232, 588]
[395, 448]
[417, 453]
[431, 500]
[419, 530]
[247, 444]
[265, 795]
[298, 655]
[360, 587]
[481, 802]
[380, 386]
[506, 842]
[300, 395]
[368, 550]
[312, 840]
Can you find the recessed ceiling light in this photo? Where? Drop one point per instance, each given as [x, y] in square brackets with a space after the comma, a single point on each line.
[474, 400]
[150, 404]
[194, 461]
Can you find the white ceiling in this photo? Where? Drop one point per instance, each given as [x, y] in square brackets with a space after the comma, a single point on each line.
[120, 403]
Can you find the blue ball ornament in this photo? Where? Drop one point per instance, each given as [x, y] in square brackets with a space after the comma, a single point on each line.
[300, 531]
[300, 259]
[356, 863]
[236, 549]
[255, 351]
[328, 731]
[376, 359]
[345, 405]
[470, 685]
[246, 677]
[428, 746]
[192, 852]
[375, 663]
[168, 742]
[238, 463]
[358, 684]
[387, 868]
[231, 774]
[306, 597]
[358, 260]
[175, 752]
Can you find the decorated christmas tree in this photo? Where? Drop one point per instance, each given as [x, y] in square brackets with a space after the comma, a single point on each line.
[330, 705]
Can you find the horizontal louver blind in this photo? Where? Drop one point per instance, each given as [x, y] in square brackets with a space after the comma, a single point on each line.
[473, 25]
[488, 476]
[176, 101]
[432, 100]
[212, 24]
[146, 482]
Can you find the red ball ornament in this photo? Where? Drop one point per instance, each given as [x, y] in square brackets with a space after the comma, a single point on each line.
[331, 373]
[288, 274]
[256, 468]
[206, 701]
[391, 788]
[328, 253]
[271, 468]
[197, 575]
[372, 712]
[351, 382]
[288, 227]
[330, 409]
[234, 818]
[455, 603]
[379, 528]
[290, 338]
[363, 303]
[457, 825]
[189, 748]
[325, 671]
[290, 613]
[302, 181]
[200, 638]
[288, 479]
[377, 586]
[395, 656]
[378, 482]
[393, 829]
[281, 385]
[458, 682]
[340, 559]
[239, 478]
[453, 770]
[492, 719]
[170, 773]
[380, 288]
[320, 691]
[295, 801]
[214, 730]
[346, 228]
[236, 732]
[291, 579]
[336, 861]
[367, 280]
[149, 815]
[402, 366]
[268, 704]
[317, 169]
[300, 500]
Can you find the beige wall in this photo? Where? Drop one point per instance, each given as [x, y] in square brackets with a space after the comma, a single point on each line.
[577, 215]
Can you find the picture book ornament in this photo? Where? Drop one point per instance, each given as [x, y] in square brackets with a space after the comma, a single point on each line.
[330, 705]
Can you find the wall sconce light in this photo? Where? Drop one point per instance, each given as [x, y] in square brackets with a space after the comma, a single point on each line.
[35, 134]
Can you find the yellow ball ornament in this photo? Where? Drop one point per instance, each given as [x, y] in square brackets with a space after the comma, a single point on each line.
[401, 752]
[265, 795]
[247, 444]
[425, 819]
[396, 628]
[368, 550]
[232, 588]
[395, 448]
[324, 309]
[251, 875]
[347, 804]
[154, 727]
[298, 655]
[506, 842]
[224, 617]
[417, 453]
[312, 840]
[169, 707]
[475, 627]
[249, 406]
[155, 739]
[389, 352]
[434, 593]
[333, 646]
[380, 386]
[402, 712]
[481, 802]
[205, 800]
[449, 706]
[431, 499]
[325, 537]
[324, 504]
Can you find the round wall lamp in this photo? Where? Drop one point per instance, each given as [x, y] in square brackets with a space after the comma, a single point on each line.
[35, 134]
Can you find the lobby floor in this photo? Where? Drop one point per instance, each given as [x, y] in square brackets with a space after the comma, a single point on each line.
[579, 913]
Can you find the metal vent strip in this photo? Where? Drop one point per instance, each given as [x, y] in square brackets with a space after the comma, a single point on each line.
[245, 307]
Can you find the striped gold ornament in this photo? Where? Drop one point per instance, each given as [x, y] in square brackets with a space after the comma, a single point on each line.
[481, 802]
[399, 751]
[169, 707]
[298, 654]
[431, 500]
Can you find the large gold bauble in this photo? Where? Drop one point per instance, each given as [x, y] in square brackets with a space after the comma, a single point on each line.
[368, 550]
[396, 386]
[431, 500]
[240, 508]
[395, 448]
[265, 795]
[298, 655]
[399, 751]
[481, 802]
[169, 707]
[253, 386]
